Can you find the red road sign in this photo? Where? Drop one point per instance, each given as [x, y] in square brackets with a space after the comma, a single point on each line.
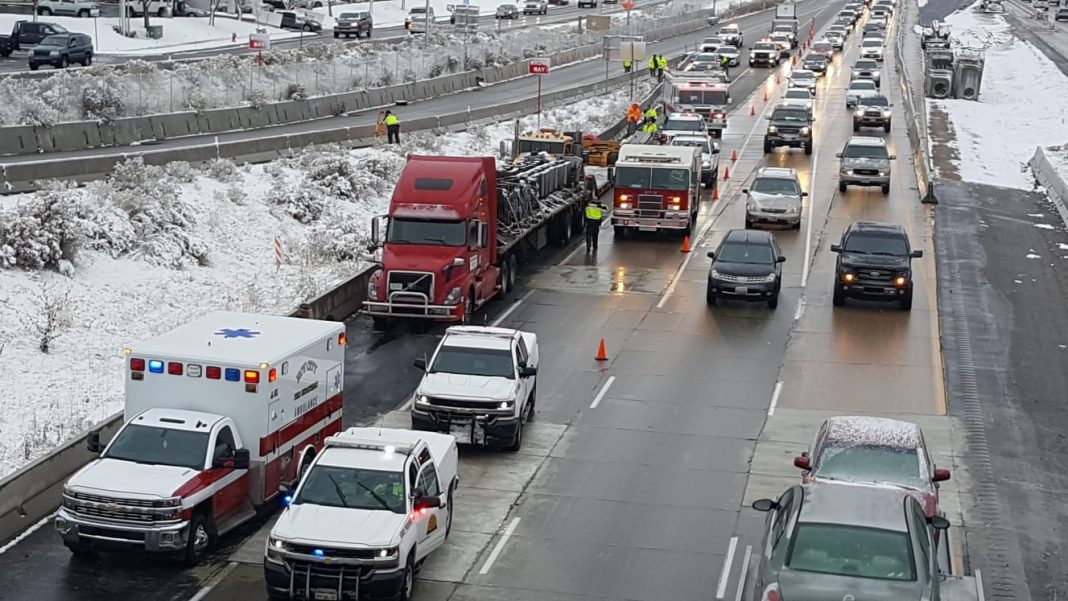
[538, 66]
[627, 5]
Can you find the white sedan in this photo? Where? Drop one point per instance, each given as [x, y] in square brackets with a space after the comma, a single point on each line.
[872, 48]
[798, 97]
[860, 88]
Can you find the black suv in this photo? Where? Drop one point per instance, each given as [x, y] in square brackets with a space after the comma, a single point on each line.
[61, 50]
[873, 111]
[358, 24]
[874, 263]
[789, 126]
[747, 266]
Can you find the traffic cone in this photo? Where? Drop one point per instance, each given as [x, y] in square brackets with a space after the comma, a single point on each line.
[765, 95]
[715, 192]
[734, 156]
[726, 173]
[752, 111]
[686, 244]
[602, 355]
[793, 61]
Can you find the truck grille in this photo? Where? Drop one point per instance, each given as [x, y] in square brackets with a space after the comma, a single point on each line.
[875, 276]
[368, 554]
[461, 404]
[411, 282]
[866, 171]
[789, 131]
[307, 576]
[873, 113]
[740, 279]
[650, 205]
[128, 502]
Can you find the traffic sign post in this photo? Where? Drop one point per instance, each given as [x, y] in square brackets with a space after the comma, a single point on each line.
[539, 67]
[627, 6]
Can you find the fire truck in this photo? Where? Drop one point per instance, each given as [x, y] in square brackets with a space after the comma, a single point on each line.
[220, 412]
[700, 92]
[656, 188]
[458, 226]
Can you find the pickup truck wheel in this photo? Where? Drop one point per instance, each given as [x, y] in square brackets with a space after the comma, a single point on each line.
[517, 443]
[44, 12]
[83, 13]
[34, 66]
[906, 302]
[886, 188]
[469, 308]
[338, 35]
[839, 296]
[532, 402]
[88, 60]
[200, 539]
[408, 583]
[161, 12]
[842, 186]
[808, 148]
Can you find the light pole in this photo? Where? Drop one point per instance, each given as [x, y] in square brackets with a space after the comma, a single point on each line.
[428, 20]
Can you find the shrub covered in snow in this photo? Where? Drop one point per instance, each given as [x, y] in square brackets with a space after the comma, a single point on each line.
[45, 231]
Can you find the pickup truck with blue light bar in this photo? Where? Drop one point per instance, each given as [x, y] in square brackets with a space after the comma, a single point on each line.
[374, 504]
[656, 188]
[479, 386]
[220, 413]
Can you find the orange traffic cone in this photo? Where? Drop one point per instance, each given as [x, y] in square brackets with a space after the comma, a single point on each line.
[777, 79]
[734, 156]
[726, 173]
[765, 95]
[752, 110]
[793, 61]
[602, 355]
[686, 244]
[715, 192]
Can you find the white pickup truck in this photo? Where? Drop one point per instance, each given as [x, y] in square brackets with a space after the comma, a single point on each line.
[374, 504]
[480, 386]
[68, 8]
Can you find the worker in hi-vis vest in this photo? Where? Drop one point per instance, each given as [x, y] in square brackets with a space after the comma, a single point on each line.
[392, 128]
[627, 65]
[594, 214]
[652, 66]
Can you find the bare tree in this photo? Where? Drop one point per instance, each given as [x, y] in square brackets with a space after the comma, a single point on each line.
[51, 315]
[144, 8]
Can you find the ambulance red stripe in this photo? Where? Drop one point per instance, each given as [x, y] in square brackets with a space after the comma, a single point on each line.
[276, 439]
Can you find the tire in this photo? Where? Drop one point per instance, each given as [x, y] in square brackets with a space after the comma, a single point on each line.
[34, 66]
[886, 189]
[517, 443]
[505, 273]
[200, 539]
[838, 299]
[78, 550]
[768, 147]
[469, 308]
[448, 522]
[512, 264]
[338, 35]
[906, 302]
[88, 59]
[532, 403]
[63, 63]
[369, 33]
[773, 302]
[808, 149]
[842, 186]
[44, 12]
[856, 128]
[161, 12]
[83, 14]
[710, 299]
[886, 127]
[408, 582]
[306, 28]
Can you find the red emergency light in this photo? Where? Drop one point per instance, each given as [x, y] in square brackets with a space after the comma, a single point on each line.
[273, 374]
[252, 376]
[174, 368]
[137, 364]
[212, 372]
[341, 339]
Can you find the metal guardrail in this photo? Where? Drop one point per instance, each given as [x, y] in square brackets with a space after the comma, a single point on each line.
[915, 122]
[34, 492]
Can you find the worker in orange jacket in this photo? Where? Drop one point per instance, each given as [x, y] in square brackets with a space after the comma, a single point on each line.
[634, 115]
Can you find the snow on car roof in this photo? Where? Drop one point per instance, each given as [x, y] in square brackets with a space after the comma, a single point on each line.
[875, 431]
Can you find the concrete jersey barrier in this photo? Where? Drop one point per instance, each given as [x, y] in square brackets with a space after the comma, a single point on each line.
[920, 153]
[35, 491]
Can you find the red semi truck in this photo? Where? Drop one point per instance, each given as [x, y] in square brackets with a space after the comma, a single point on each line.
[457, 228]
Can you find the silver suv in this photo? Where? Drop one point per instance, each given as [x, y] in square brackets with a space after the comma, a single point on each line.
[775, 198]
[865, 162]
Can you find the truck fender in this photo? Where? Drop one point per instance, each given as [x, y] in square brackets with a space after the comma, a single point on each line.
[307, 455]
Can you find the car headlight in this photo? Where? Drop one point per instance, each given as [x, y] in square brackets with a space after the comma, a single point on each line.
[372, 289]
[506, 405]
[275, 547]
[454, 296]
[886, 112]
[388, 553]
[772, 129]
[805, 131]
[706, 164]
[422, 400]
[882, 174]
[54, 53]
[901, 279]
[624, 205]
[859, 112]
[768, 278]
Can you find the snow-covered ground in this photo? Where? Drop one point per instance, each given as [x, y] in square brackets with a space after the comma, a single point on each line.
[95, 268]
[1018, 107]
[142, 88]
[180, 34]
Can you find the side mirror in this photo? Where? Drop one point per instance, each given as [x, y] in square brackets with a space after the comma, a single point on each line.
[420, 363]
[916, 254]
[939, 523]
[745, 190]
[764, 505]
[284, 489]
[893, 156]
[527, 372]
[940, 475]
[803, 461]
[711, 255]
[376, 233]
[804, 194]
[838, 154]
[425, 502]
[238, 460]
[92, 443]
[781, 259]
[836, 248]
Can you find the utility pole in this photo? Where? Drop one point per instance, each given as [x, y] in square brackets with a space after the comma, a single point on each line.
[426, 42]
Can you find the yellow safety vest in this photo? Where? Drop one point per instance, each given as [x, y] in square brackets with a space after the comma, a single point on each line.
[594, 212]
[391, 120]
[649, 128]
[627, 64]
[662, 63]
[652, 63]
[650, 113]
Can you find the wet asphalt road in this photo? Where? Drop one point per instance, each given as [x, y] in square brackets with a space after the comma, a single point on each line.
[635, 473]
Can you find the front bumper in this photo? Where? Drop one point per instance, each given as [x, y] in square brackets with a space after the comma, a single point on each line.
[625, 218]
[414, 310]
[874, 290]
[78, 531]
[297, 579]
[872, 55]
[770, 61]
[868, 121]
[853, 179]
[748, 291]
[469, 428]
[765, 216]
[791, 141]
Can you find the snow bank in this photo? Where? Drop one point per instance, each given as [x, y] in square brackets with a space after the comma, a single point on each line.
[180, 34]
[141, 88]
[1016, 111]
[99, 267]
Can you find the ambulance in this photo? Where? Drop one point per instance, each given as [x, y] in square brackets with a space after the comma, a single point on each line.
[221, 414]
[703, 93]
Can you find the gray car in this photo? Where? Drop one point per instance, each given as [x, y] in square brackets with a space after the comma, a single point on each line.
[506, 11]
[775, 197]
[865, 162]
[826, 540]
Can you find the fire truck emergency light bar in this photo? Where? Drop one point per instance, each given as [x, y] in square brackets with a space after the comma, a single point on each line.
[654, 158]
[345, 442]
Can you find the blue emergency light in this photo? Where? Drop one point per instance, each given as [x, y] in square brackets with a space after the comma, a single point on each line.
[318, 553]
[155, 366]
[233, 375]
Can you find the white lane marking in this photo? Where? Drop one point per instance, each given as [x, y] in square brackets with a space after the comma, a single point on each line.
[721, 588]
[602, 392]
[515, 305]
[407, 404]
[745, 572]
[500, 545]
[215, 580]
[27, 532]
[704, 230]
[775, 398]
[800, 307]
[811, 214]
[979, 585]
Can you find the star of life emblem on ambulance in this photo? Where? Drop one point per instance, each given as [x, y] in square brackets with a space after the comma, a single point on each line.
[337, 380]
[237, 333]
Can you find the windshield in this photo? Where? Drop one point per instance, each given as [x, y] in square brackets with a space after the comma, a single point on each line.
[728, 30]
[418, 11]
[684, 125]
[871, 463]
[875, 101]
[741, 252]
[802, 75]
[774, 185]
[160, 446]
[652, 179]
[54, 40]
[816, 58]
[694, 142]
[702, 97]
[705, 57]
[348, 16]
[872, 43]
[799, 94]
[866, 65]
[876, 245]
[414, 231]
[764, 46]
[825, 46]
[858, 151]
[801, 116]
[784, 28]
[671, 179]
[862, 84]
[353, 488]
[852, 551]
[467, 361]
